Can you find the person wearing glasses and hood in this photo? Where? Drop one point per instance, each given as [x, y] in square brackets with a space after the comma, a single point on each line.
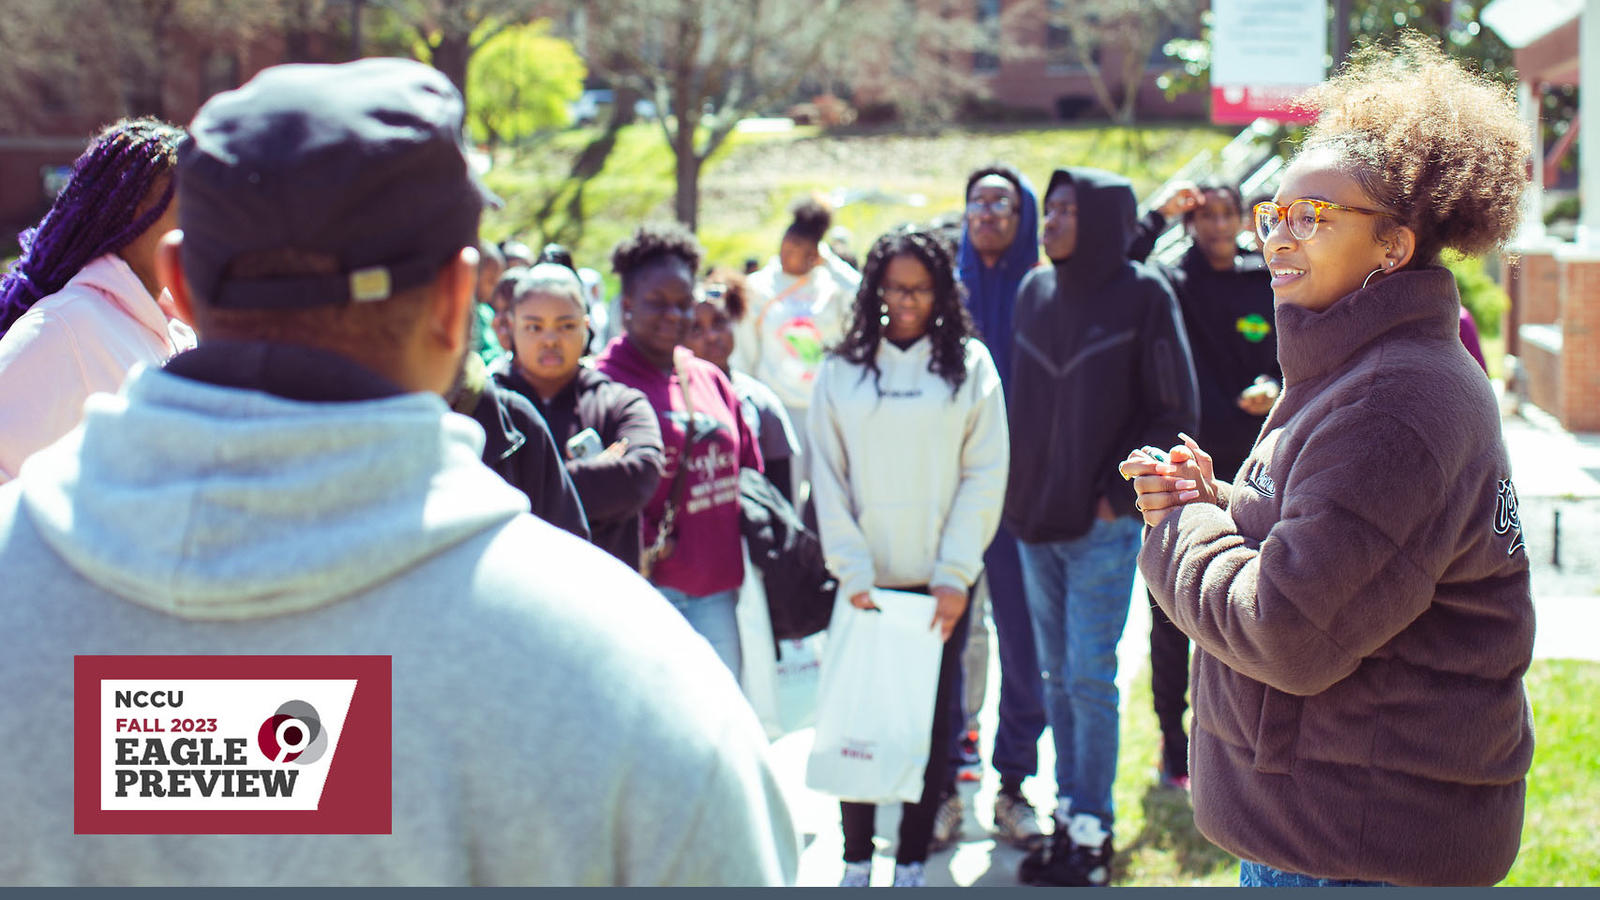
[1100, 362]
[997, 251]
[1358, 594]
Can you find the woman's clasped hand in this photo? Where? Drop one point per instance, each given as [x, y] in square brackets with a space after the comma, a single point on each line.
[1186, 477]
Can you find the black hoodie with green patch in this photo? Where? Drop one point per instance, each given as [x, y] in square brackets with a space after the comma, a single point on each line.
[1101, 366]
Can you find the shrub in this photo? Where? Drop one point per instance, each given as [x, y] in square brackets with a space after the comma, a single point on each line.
[1480, 294]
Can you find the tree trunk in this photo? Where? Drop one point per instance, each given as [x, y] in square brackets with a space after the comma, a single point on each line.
[687, 204]
[356, 43]
[687, 116]
[450, 56]
[623, 100]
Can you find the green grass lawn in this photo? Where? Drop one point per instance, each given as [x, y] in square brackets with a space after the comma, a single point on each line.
[1157, 843]
[1561, 831]
[1560, 834]
[748, 187]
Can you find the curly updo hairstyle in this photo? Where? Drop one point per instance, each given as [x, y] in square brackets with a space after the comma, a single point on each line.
[811, 222]
[1440, 148]
[652, 243]
[735, 299]
[950, 326]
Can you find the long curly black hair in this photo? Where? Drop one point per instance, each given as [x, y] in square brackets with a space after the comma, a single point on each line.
[949, 328]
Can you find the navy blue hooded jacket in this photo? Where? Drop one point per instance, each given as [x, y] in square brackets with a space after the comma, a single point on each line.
[1101, 367]
[992, 292]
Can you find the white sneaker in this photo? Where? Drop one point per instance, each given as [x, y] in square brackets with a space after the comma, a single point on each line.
[909, 875]
[1016, 822]
[947, 823]
[857, 874]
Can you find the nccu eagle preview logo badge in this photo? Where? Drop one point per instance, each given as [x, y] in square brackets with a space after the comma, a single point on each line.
[1506, 520]
[1261, 482]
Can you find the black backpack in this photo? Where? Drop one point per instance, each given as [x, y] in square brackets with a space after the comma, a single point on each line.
[800, 589]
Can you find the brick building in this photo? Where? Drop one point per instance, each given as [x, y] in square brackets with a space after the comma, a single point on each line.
[1027, 61]
[1044, 71]
[1553, 325]
[39, 142]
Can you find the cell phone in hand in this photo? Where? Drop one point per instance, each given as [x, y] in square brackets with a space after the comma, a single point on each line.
[584, 444]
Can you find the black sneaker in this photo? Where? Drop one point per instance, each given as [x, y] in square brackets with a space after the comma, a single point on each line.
[1064, 863]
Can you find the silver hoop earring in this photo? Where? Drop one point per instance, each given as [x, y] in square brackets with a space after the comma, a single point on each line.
[1370, 274]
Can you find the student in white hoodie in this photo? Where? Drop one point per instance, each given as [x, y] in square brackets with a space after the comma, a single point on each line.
[82, 305]
[912, 449]
[296, 485]
[799, 302]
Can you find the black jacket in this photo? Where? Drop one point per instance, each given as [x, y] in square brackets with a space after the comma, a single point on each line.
[613, 491]
[1100, 367]
[1228, 318]
[518, 446]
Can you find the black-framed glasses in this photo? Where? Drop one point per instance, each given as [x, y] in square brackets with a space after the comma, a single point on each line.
[1000, 206]
[900, 291]
[1303, 216]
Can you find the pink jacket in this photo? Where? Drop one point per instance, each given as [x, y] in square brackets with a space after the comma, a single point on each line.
[83, 339]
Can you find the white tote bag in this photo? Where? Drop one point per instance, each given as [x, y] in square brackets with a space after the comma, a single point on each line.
[880, 678]
[783, 691]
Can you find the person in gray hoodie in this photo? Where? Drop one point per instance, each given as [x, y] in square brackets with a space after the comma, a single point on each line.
[1100, 361]
[296, 485]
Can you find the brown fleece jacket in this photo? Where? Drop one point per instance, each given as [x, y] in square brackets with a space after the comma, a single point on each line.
[1362, 608]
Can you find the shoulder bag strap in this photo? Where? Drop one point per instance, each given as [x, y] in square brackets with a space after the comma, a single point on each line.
[669, 514]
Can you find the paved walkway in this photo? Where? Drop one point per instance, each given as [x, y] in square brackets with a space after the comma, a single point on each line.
[1554, 471]
[1557, 475]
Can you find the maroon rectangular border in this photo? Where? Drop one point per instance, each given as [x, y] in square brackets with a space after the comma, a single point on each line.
[356, 800]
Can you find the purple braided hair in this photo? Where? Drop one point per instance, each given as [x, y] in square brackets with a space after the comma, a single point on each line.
[96, 212]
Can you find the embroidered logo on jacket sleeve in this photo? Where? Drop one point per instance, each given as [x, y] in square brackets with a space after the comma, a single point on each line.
[1506, 520]
[1261, 482]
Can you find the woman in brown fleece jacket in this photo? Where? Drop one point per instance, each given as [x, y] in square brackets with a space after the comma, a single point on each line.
[1359, 593]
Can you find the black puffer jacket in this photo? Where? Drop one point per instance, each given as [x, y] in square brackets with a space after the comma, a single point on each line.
[1100, 367]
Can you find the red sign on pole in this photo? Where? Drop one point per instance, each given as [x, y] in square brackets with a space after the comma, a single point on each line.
[1243, 105]
[1264, 55]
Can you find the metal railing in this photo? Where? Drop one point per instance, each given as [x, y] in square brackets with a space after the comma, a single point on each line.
[1250, 161]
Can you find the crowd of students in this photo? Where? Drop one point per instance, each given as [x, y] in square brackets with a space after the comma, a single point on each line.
[958, 414]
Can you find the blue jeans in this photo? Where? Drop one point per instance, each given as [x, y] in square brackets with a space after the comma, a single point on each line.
[713, 617]
[1078, 593]
[1022, 715]
[1253, 874]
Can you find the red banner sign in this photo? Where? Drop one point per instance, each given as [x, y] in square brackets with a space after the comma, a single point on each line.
[232, 745]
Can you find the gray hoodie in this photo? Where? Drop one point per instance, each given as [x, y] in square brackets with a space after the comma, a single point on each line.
[555, 721]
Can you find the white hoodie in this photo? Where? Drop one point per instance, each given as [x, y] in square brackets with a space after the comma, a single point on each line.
[791, 322]
[555, 720]
[907, 479]
[84, 338]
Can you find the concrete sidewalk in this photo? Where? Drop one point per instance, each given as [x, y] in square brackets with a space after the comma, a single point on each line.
[978, 859]
[1557, 476]
[1555, 472]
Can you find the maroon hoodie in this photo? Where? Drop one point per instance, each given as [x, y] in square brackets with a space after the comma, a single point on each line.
[707, 558]
[1361, 608]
